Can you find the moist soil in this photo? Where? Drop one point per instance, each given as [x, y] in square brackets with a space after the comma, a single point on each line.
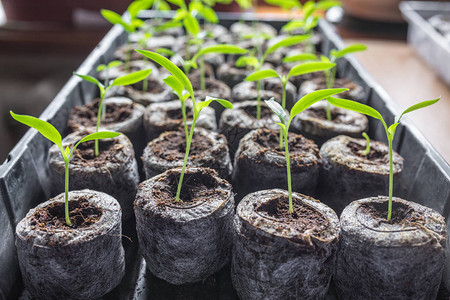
[210, 86]
[196, 189]
[266, 113]
[296, 143]
[86, 115]
[84, 155]
[338, 83]
[154, 86]
[173, 146]
[177, 114]
[82, 214]
[303, 219]
[376, 156]
[321, 114]
[401, 214]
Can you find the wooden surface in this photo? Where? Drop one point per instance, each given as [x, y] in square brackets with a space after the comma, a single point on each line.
[408, 80]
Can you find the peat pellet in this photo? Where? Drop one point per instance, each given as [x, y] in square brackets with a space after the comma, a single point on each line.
[398, 259]
[62, 262]
[167, 116]
[355, 92]
[313, 123]
[208, 149]
[189, 240]
[347, 175]
[278, 255]
[114, 171]
[260, 164]
[133, 66]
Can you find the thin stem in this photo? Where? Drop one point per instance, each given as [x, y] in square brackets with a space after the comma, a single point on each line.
[391, 179]
[202, 74]
[186, 155]
[183, 111]
[128, 56]
[66, 194]
[288, 167]
[100, 107]
[258, 99]
[367, 150]
[328, 74]
[283, 104]
[145, 85]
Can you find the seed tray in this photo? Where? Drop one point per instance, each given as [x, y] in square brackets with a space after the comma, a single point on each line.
[24, 175]
[430, 44]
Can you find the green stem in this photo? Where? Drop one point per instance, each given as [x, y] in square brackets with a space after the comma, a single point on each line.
[66, 194]
[288, 167]
[202, 75]
[145, 85]
[391, 180]
[183, 111]
[186, 155]
[258, 99]
[329, 78]
[100, 108]
[128, 56]
[283, 104]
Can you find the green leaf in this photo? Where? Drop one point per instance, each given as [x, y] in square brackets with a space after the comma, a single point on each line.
[99, 135]
[416, 107]
[66, 152]
[221, 48]
[310, 67]
[308, 8]
[171, 67]
[327, 4]
[92, 80]
[175, 84]
[347, 50]
[293, 25]
[195, 7]
[300, 57]
[136, 6]
[191, 25]
[131, 78]
[165, 51]
[311, 22]
[244, 61]
[355, 106]
[391, 130]
[179, 3]
[208, 100]
[285, 4]
[244, 4]
[287, 42]
[163, 6]
[100, 67]
[258, 75]
[209, 14]
[45, 128]
[115, 18]
[277, 109]
[114, 63]
[167, 25]
[323, 58]
[311, 98]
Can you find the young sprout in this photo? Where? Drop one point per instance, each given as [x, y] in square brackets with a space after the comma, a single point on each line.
[182, 94]
[366, 151]
[107, 68]
[182, 82]
[330, 75]
[119, 81]
[302, 104]
[297, 70]
[390, 131]
[50, 132]
[258, 63]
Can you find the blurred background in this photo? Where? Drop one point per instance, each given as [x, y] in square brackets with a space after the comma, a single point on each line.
[43, 41]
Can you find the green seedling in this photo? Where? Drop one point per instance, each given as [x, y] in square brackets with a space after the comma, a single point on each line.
[181, 83]
[182, 94]
[366, 151]
[297, 70]
[302, 104]
[119, 81]
[390, 131]
[130, 22]
[330, 75]
[258, 63]
[50, 132]
[107, 68]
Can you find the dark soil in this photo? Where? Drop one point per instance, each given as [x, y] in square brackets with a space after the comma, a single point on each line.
[177, 114]
[266, 113]
[173, 146]
[154, 86]
[321, 114]
[296, 143]
[82, 214]
[303, 218]
[338, 83]
[401, 214]
[197, 188]
[84, 155]
[86, 115]
[210, 86]
[375, 155]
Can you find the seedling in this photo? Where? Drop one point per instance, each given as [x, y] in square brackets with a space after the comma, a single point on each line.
[390, 131]
[366, 151]
[50, 132]
[180, 83]
[302, 104]
[258, 63]
[103, 88]
[330, 75]
[182, 94]
[294, 71]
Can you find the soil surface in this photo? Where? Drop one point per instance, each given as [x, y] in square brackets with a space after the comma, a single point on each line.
[303, 219]
[86, 115]
[266, 113]
[336, 116]
[375, 155]
[173, 146]
[177, 114]
[84, 155]
[197, 188]
[82, 214]
[296, 143]
[401, 214]
[338, 83]
[154, 86]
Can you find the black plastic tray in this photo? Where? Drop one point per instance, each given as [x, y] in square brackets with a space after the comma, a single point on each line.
[24, 181]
